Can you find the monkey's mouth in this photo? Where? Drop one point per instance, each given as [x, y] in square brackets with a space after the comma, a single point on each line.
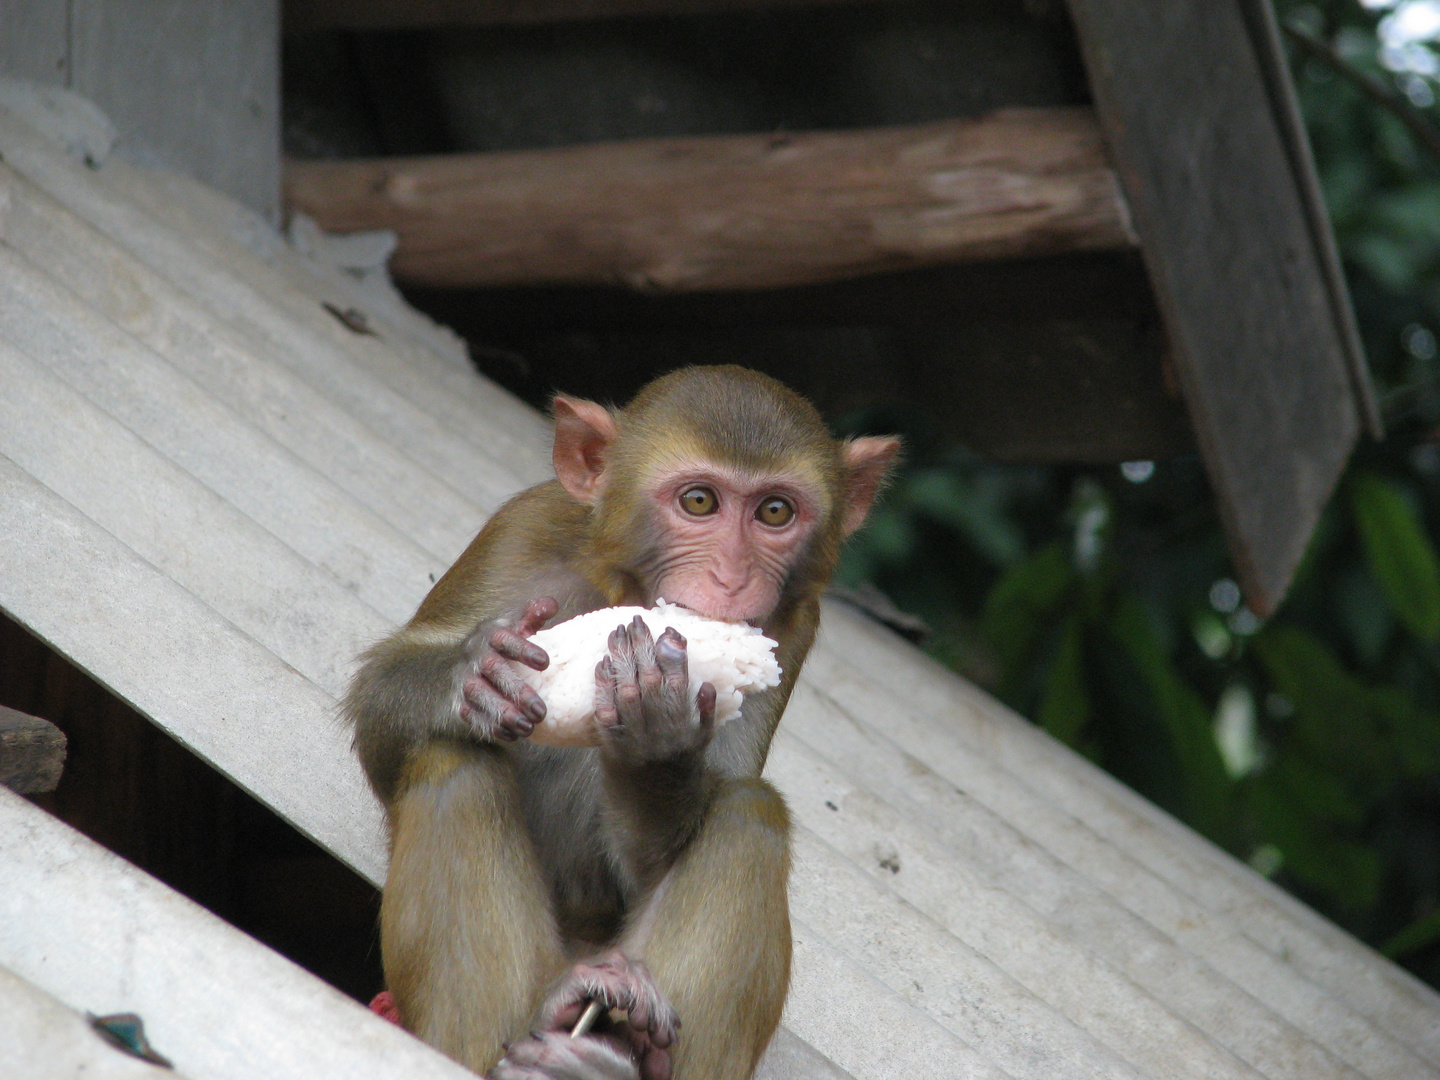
[755, 621]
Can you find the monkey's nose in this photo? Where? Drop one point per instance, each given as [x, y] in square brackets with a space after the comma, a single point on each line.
[734, 586]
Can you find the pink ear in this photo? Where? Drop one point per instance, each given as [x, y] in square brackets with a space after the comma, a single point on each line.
[867, 461]
[583, 434]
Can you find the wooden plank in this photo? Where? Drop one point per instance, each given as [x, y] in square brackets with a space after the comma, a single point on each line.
[45, 1039]
[734, 212]
[310, 15]
[32, 752]
[204, 208]
[181, 527]
[1318, 978]
[1119, 979]
[790, 1057]
[829, 990]
[239, 370]
[1232, 258]
[214, 689]
[965, 992]
[100, 935]
[193, 84]
[392, 384]
[303, 509]
[35, 41]
[1275, 69]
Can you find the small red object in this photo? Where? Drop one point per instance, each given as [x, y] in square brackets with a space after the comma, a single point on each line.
[383, 1006]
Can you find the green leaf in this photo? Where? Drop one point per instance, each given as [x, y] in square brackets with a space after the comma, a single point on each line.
[1065, 707]
[1423, 932]
[1401, 556]
[1319, 795]
[1347, 871]
[1341, 723]
[1022, 603]
[1394, 264]
[977, 515]
[1411, 213]
[888, 536]
[1208, 787]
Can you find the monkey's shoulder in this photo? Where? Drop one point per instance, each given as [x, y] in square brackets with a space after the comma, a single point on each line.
[527, 549]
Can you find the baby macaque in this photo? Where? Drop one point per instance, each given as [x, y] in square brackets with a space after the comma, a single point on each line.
[648, 870]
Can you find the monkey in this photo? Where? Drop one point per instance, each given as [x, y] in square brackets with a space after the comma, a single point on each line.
[650, 873]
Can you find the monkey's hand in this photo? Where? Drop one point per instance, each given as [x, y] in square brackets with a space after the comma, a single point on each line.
[642, 700]
[634, 1049]
[494, 700]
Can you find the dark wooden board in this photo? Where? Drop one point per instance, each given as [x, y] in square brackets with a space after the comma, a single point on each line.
[1233, 260]
[1027, 360]
[32, 752]
[1265, 32]
[309, 15]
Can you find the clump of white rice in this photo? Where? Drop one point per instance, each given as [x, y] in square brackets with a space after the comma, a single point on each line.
[735, 658]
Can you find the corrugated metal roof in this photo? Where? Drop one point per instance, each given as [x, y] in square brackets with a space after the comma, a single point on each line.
[213, 493]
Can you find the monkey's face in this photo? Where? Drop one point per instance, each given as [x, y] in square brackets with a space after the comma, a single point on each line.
[729, 539]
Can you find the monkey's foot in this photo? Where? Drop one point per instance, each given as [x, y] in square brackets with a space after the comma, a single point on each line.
[554, 1055]
[636, 1048]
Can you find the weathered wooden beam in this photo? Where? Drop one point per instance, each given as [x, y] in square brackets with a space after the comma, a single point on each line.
[32, 752]
[305, 15]
[1258, 346]
[734, 212]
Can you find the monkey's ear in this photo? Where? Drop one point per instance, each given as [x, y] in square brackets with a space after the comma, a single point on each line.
[583, 434]
[867, 461]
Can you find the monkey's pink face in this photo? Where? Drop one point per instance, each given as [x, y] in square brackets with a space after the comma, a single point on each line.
[729, 540]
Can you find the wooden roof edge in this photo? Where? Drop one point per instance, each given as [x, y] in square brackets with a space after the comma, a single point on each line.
[1235, 249]
[101, 935]
[1265, 30]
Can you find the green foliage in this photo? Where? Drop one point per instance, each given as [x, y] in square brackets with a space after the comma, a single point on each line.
[1399, 552]
[1104, 609]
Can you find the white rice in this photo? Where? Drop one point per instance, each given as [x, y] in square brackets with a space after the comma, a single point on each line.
[734, 658]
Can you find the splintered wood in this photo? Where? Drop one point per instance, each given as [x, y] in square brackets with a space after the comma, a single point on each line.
[734, 212]
[32, 752]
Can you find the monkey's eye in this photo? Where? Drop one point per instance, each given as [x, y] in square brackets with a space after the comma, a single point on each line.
[775, 511]
[699, 501]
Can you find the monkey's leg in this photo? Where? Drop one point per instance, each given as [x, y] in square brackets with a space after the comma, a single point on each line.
[715, 933]
[466, 933]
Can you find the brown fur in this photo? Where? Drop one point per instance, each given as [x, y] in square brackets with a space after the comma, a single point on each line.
[507, 858]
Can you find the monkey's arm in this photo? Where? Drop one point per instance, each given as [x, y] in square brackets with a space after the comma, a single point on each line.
[422, 683]
[655, 786]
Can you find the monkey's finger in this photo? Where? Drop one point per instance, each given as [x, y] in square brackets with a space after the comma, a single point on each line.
[622, 655]
[606, 715]
[537, 613]
[674, 663]
[511, 645]
[705, 704]
[643, 646]
[655, 1064]
[648, 1010]
[495, 716]
[512, 687]
[627, 685]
